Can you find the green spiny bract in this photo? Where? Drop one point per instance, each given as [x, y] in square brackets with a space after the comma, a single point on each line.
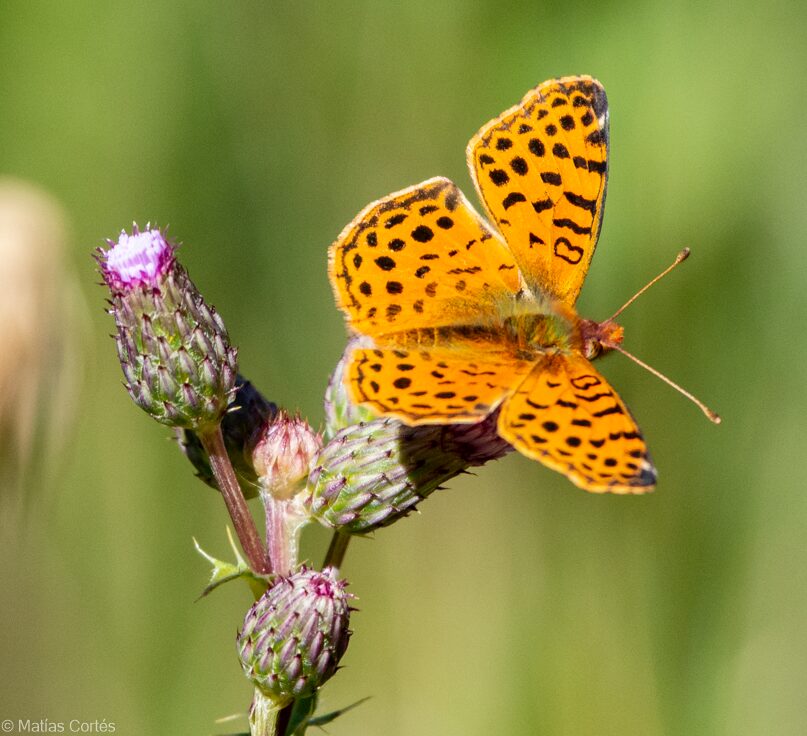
[294, 636]
[374, 473]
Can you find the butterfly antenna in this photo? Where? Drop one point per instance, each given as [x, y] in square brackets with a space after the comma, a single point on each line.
[680, 258]
[713, 416]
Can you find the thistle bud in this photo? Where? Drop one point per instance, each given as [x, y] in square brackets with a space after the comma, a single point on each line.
[294, 636]
[247, 413]
[372, 474]
[283, 455]
[175, 353]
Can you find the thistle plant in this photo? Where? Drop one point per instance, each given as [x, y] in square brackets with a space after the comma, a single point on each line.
[177, 361]
[362, 473]
[464, 341]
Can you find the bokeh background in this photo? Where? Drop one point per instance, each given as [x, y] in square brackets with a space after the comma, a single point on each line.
[514, 603]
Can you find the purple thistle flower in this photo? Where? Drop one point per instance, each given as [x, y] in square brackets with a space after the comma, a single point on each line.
[173, 348]
[139, 259]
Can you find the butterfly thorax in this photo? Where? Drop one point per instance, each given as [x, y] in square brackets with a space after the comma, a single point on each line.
[523, 336]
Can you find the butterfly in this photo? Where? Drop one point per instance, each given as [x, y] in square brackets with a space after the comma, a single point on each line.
[462, 318]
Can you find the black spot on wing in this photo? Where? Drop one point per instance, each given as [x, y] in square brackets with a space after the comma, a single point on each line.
[513, 198]
[422, 234]
[596, 138]
[536, 147]
[519, 165]
[385, 263]
[560, 151]
[579, 201]
[395, 220]
[542, 205]
[571, 225]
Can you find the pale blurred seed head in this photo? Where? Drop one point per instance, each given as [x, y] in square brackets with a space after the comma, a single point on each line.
[40, 316]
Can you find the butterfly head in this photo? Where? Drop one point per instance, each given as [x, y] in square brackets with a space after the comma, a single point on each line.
[600, 337]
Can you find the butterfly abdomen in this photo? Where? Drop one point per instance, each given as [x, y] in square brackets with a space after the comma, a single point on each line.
[526, 337]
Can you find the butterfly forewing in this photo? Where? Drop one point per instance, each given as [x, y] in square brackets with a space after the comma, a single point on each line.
[541, 170]
[566, 415]
[420, 258]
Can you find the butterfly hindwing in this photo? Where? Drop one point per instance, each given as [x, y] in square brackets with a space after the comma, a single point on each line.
[566, 415]
[441, 385]
[541, 170]
[420, 257]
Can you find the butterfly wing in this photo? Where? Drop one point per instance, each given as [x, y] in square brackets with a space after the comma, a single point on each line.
[421, 257]
[541, 170]
[454, 383]
[566, 415]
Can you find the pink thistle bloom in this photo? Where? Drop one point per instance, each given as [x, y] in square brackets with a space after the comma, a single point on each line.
[283, 454]
[137, 259]
[173, 347]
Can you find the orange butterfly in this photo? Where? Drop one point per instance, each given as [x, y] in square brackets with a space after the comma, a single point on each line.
[464, 319]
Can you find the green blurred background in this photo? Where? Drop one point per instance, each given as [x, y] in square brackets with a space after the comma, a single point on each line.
[514, 603]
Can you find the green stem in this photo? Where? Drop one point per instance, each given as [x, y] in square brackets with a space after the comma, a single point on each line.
[283, 527]
[263, 716]
[244, 524]
[336, 552]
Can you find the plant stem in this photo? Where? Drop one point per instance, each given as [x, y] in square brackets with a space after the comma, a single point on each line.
[263, 716]
[282, 533]
[244, 525]
[336, 552]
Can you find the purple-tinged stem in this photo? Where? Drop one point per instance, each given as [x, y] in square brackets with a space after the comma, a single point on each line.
[281, 536]
[244, 525]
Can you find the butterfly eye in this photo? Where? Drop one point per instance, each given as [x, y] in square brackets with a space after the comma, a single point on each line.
[593, 348]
